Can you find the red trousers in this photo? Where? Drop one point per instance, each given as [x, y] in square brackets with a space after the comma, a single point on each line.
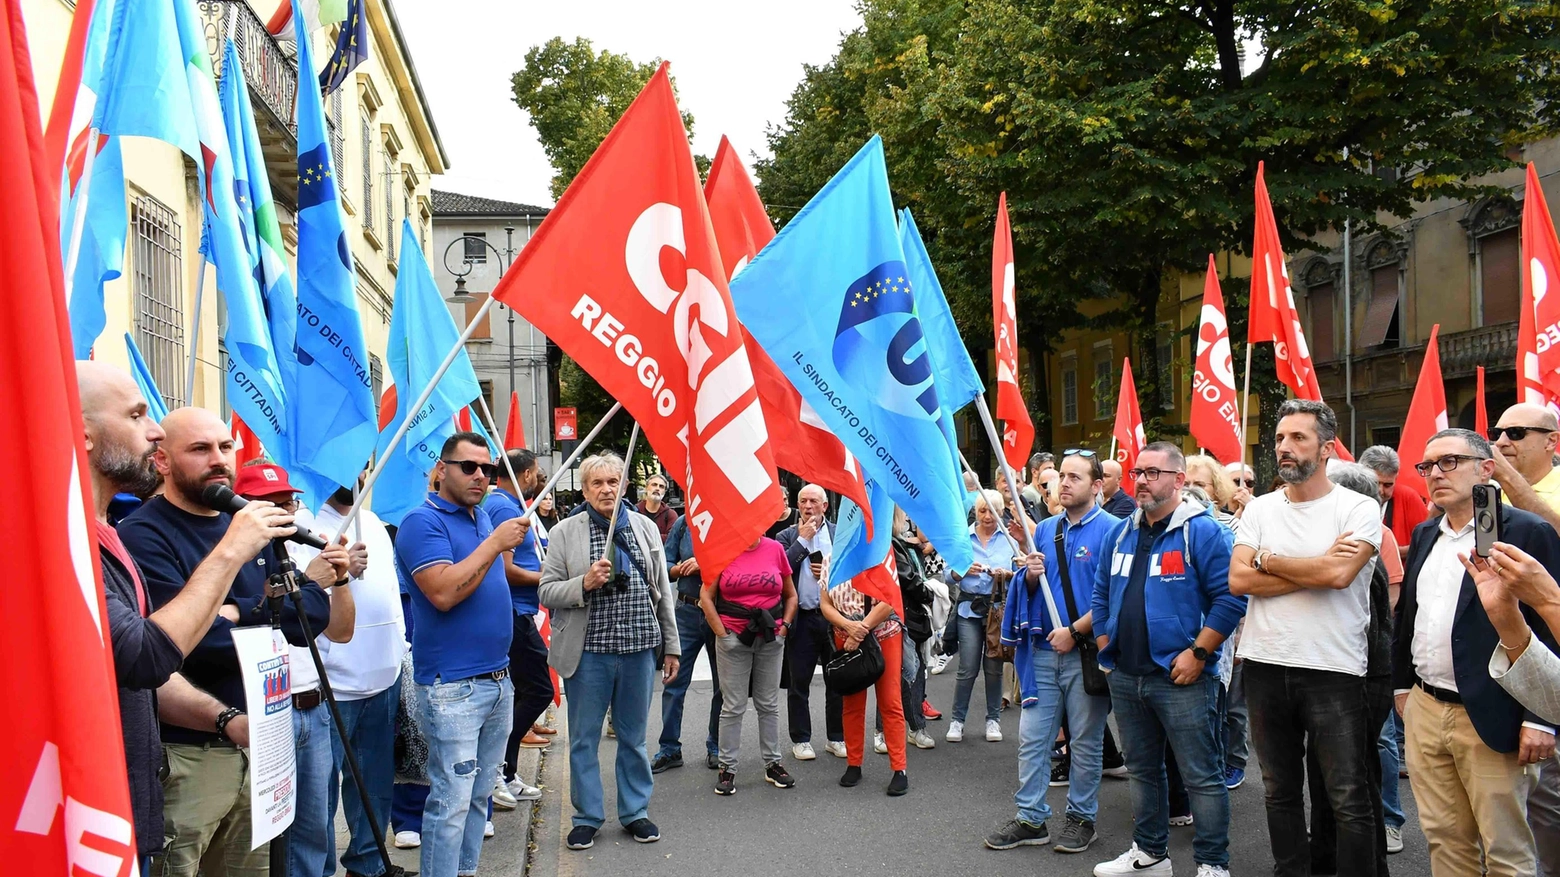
[889, 703]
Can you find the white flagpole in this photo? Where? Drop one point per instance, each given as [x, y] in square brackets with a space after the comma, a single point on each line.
[78, 221]
[1018, 505]
[503, 452]
[1245, 404]
[200, 292]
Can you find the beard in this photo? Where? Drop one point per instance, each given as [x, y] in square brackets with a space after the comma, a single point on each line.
[342, 496]
[1155, 503]
[129, 473]
[192, 488]
[1297, 471]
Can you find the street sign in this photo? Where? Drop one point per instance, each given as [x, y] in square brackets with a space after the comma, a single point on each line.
[565, 424]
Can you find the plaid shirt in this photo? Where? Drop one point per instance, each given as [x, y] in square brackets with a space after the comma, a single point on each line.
[620, 622]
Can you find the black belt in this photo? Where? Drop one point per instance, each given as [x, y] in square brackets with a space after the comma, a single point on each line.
[307, 700]
[1441, 694]
[813, 611]
[684, 598]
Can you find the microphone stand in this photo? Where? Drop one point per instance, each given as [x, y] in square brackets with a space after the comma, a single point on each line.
[283, 582]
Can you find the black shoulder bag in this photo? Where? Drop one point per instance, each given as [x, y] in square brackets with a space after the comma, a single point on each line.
[1094, 681]
[852, 672]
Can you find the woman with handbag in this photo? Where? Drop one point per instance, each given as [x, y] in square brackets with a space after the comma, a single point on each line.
[918, 629]
[863, 625]
[995, 559]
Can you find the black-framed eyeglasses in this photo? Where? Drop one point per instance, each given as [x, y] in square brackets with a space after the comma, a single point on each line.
[1248, 482]
[470, 467]
[1516, 433]
[1151, 473]
[1079, 452]
[1445, 464]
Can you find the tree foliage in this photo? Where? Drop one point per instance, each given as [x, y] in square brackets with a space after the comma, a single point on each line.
[1127, 132]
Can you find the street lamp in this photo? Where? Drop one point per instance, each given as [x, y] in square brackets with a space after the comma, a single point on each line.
[462, 296]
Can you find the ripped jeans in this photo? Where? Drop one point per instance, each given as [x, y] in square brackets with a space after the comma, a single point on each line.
[466, 724]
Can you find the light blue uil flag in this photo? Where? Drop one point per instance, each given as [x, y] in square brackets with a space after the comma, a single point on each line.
[830, 299]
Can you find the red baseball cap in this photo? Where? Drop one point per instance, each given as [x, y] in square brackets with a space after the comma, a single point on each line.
[263, 480]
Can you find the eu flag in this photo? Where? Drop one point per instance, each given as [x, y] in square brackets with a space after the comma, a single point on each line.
[831, 300]
[351, 49]
[332, 425]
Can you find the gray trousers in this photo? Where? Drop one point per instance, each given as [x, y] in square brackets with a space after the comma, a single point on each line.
[1544, 817]
[749, 671]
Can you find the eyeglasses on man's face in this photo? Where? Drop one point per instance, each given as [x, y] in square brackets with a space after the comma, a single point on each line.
[1151, 473]
[1445, 464]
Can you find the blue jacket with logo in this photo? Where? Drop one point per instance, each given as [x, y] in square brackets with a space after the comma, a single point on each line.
[1187, 589]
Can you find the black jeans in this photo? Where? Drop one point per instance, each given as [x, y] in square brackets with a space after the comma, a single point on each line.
[1293, 711]
[533, 685]
[807, 645]
[1324, 832]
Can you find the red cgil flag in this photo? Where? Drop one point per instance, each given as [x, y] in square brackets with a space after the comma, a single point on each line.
[463, 419]
[1273, 316]
[247, 444]
[1128, 430]
[801, 443]
[1018, 432]
[1538, 325]
[64, 797]
[514, 430]
[1481, 415]
[625, 276]
[1426, 416]
[1215, 420]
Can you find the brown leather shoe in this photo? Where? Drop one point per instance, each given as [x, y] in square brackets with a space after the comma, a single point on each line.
[535, 741]
[543, 730]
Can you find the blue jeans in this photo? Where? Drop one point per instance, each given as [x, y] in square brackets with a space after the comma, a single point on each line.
[466, 724]
[371, 730]
[972, 651]
[1237, 747]
[1391, 798]
[312, 832]
[624, 683]
[1150, 709]
[406, 807]
[695, 634]
[1059, 684]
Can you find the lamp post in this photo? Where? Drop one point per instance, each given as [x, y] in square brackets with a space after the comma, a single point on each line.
[462, 296]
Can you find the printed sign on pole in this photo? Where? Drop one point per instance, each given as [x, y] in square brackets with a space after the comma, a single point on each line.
[263, 663]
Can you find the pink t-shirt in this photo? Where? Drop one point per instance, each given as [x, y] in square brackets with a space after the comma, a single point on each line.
[755, 580]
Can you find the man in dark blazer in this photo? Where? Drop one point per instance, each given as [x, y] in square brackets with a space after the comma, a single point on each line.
[808, 642]
[1468, 742]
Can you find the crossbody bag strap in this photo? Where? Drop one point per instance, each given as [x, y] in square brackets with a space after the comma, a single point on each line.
[1061, 562]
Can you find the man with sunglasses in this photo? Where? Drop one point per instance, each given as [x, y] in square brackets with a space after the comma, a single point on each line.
[1305, 556]
[1526, 436]
[452, 561]
[1469, 743]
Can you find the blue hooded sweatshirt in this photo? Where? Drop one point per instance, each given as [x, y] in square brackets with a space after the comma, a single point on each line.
[1187, 589]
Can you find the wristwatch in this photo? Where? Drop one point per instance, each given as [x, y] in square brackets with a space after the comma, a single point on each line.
[1256, 562]
[1199, 653]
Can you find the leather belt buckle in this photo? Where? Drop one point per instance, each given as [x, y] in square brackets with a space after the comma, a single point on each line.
[307, 700]
[498, 675]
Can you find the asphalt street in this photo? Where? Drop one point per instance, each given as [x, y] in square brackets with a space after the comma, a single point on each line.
[958, 792]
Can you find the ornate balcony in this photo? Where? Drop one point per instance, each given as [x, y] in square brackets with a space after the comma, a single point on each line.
[1494, 347]
[272, 75]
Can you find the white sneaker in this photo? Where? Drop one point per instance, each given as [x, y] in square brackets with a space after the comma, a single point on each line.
[521, 790]
[407, 840]
[1182, 821]
[939, 664]
[803, 752]
[1133, 861]
[1207, 870]
[955, 732]
[836, 748]
[993, 731]
[1394, 839]
[487, 830]
[921, 740]
[503, 800]
[879, 745]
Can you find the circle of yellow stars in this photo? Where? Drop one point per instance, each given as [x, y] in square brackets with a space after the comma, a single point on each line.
[885, 286]
[318, 173]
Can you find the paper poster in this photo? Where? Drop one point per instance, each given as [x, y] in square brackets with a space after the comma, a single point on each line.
[262, 660]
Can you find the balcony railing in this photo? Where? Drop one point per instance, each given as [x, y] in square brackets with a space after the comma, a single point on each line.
[1494, 347]
[272, 75]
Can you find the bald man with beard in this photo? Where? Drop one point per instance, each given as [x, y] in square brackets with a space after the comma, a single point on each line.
[180, 547]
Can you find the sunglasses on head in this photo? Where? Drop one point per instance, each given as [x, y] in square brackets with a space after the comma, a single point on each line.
[471, 467]
[1516, 433]
[1080, 452]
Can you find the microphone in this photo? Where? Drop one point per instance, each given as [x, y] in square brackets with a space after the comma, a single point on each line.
[220, 497]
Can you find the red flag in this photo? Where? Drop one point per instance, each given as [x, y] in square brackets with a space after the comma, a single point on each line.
[881, 583]
[625, 276]
[514, 430]
[463, 419]
[1273, 316]
[1481, 415]
[248, 444]
[1018, 433]
[1426, 416]
[67, 94]
[63, 792]
[1128, 430]
[1215, 420]
[544, 630]
[801, 443]
[387, 404]
[1538, 329]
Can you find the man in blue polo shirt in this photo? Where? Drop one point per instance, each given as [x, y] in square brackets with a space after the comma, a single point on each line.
[453, 559]
[527, 653]
[1050, 666]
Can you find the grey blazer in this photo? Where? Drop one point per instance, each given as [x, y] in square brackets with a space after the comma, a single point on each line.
[562, 589]
[1534, 680]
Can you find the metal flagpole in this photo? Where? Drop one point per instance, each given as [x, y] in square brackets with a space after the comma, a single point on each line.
[200, 292]
[78, 222]
[1245, 404]
[633, 439]
[1007, 474]
[1050, 602]
[1113, 447]
[503, 452]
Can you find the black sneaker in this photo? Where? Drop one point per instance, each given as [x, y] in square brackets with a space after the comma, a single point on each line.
[643, 830]
[852, 777]
[899, 784]
[712, 761]
[1059, 773]
[1018, 833]
[726, 783]
[666, 762]
[1076, 835]
[776, 773]
[583, 837]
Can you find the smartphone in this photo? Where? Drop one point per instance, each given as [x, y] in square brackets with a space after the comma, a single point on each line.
[816, 557]
[1486, 518]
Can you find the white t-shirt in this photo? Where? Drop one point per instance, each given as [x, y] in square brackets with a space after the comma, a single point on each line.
[1311, 628]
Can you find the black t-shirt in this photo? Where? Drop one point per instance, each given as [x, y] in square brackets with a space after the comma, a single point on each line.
[789, 520]
[1134, 654]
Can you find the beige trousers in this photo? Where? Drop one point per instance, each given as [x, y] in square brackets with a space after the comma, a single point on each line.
[206, 815]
